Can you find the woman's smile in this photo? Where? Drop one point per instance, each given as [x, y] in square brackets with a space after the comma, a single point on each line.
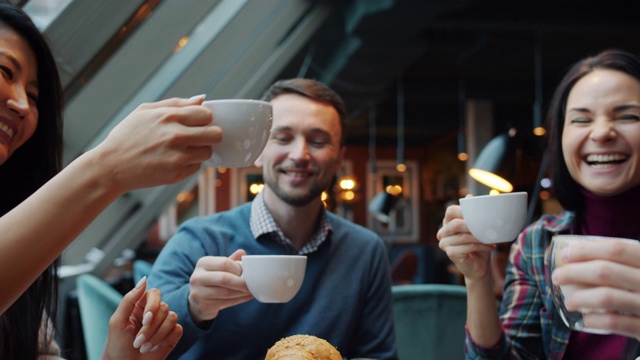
[605, 161]
[6, 132]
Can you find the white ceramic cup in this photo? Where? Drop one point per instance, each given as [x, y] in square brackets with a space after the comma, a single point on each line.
[273, 278]
[495, 218]
[573, 319]
[246, 125]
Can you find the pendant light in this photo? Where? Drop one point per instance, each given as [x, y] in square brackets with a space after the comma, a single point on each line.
[462, 120]
[495, 166]
[400, 166]
[538, 129]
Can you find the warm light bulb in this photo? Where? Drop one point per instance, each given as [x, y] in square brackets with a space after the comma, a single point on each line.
[491, 180]
[255, 188]
[394, 189]
[401, 167]
[463, 156]
[539, 131]
[347, 184]
[348, 195]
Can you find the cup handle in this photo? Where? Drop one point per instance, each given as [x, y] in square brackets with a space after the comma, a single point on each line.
[241, 268]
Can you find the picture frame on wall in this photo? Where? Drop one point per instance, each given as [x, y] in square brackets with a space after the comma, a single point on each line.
[404, 215]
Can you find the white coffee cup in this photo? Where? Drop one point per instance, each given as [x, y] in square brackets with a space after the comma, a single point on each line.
[246, 125]
[273, 278]
[495, 218]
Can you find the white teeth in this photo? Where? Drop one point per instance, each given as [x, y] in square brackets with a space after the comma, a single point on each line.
[7, 130]
[297, 174]
[605, 158]
[602, 166]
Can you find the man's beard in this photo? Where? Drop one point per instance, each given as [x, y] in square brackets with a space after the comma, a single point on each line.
[298, 199]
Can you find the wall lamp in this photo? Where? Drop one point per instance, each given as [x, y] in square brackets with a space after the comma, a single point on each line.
[495, 165]
[384, 205]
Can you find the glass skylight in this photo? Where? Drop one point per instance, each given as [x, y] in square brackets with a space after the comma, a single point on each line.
[43, 12]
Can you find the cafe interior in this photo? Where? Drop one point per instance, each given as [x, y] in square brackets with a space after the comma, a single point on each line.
[435, 90]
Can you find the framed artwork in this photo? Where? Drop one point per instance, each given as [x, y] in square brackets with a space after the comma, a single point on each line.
[402, 220]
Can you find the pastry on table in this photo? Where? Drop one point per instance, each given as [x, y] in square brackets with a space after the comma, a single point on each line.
[303, 347]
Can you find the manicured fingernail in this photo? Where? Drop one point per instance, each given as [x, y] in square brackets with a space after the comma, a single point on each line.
[155, 348]
[147, 318]
[198, 97]
[146, 347]
[564, 254]
[140, 282]
[139, 341]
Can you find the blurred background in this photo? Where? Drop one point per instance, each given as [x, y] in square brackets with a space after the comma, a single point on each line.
[428, 84]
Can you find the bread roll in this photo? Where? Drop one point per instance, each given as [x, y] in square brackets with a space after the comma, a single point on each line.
[303, 347]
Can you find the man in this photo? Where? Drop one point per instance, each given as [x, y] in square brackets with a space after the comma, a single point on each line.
[346, 294]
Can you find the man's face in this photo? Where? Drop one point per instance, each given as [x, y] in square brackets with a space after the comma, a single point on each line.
[303, 152]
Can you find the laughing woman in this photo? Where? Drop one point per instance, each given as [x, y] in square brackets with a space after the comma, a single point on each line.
[158, 143]
[594, 146]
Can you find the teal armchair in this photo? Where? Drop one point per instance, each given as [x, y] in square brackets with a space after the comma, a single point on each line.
[429, 321]
[97, 301]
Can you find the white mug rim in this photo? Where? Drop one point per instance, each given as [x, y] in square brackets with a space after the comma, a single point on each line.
[519, 193]
[275, 256]
[244, 101]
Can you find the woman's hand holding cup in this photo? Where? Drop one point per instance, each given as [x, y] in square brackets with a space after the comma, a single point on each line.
[470, 256]
[598, 278]
[470, 230]
[495, 218]
[158, 143]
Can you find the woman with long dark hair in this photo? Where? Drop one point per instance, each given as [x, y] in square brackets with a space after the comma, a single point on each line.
[28, 169]
[43, 208]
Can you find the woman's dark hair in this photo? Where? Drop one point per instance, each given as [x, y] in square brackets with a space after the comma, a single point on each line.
[566, 189]
[29, 167]
[313, 90]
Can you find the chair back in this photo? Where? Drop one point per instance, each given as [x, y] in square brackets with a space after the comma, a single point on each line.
[141, 268]
[97, 301]
[430, 320]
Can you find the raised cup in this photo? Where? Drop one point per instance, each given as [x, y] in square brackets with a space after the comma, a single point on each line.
[495, 218]
[246, 125]
[274, 278]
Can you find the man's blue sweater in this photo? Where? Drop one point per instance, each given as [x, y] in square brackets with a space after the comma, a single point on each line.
[345, 297]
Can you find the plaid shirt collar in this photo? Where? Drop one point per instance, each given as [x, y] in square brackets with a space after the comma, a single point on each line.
[263, 225]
